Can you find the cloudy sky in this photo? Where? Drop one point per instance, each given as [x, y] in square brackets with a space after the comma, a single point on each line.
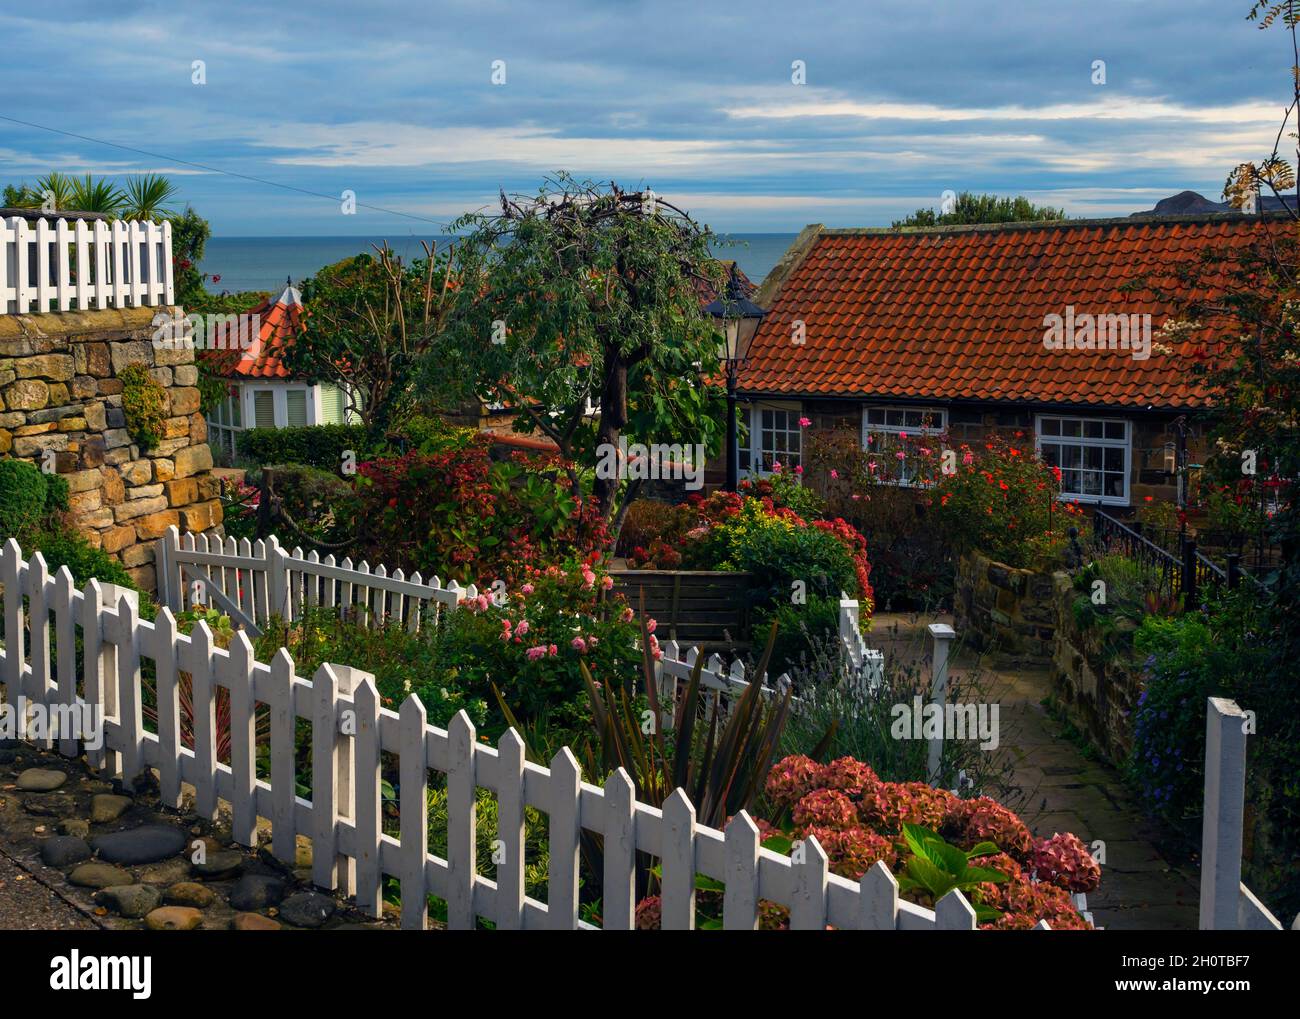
[396, 102]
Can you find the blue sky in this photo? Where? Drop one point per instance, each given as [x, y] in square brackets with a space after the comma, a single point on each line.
[695, 99]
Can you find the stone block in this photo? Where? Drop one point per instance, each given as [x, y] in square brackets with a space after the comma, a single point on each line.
[84, 502]
[154, 525]
[186, 375]
[31, 445]
[96, 417]
[60, 393]
[163, 376]
[174, 428]
[132, 510]
[83, 481]
[145, 492]
[137, 472]
[110, 387]
[184, 400]
[28, 394]
[84, 387]
[92, 359]
[182, 492]
[115, 437]
[6, 440]
[97, 519]
[130, 352]
[144, 577]
[163, 469]
[72, 424]
[93, 452]
[198, 428]
[117, 538]
[54, 367]
[193, 460]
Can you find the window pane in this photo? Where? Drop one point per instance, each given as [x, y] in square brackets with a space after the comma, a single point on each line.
[1092, 457]
[1092, 429]
[296, 407]
[1115, 485]
[1115, 429]
[263, 409]
[237, 410]
[1052, 454]
[1114, 459]
[331, 399]
[1051, 426]
[1071, 426]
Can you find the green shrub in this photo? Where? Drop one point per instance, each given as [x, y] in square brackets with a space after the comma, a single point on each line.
[24, 492]
[322, 505]
[402, 663]
[429, 435]
[144, 403]
[799, 629]
[83, 560]
[319, 446]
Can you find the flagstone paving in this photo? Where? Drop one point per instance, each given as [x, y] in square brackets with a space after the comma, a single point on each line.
[1064, 789]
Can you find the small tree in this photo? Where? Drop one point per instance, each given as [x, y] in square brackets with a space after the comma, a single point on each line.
[973, 208]
[587, 296]
[369, 322]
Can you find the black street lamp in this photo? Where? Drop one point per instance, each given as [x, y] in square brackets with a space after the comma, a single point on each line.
[738, 319]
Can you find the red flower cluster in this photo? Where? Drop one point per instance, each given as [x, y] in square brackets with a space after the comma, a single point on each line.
[857, 818]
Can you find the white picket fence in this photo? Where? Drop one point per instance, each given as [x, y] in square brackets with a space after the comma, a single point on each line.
[75, 265]
[350, 730]
[1226, 903]
[252, 581]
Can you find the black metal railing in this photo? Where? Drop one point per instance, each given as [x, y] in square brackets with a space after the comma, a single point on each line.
[1187, 573]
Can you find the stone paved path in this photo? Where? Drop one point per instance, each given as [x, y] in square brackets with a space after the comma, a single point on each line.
[27, 905]
[1065, 790]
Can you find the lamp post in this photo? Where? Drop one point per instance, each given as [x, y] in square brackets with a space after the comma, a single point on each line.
[738, 319]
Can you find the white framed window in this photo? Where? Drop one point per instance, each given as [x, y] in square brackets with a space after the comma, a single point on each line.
[1093, 454]
[282, 406]
[775, 436]
[225, 421]
[886, 431]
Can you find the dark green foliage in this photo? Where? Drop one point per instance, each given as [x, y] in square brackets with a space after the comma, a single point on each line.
[973, 208]
[402, 663]
[24, 491]
[319, 446]
[798, 627]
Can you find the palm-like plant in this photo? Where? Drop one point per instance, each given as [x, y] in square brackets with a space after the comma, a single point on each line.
[90, 195]
[148, 197]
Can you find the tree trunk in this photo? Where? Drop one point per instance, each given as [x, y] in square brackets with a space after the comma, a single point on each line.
[613, 419]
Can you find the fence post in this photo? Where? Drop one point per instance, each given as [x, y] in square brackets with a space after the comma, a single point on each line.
[277, 574]
[1225, 794]
[1234, 570]
[1189, 574]
[941, 634]
[349, 680]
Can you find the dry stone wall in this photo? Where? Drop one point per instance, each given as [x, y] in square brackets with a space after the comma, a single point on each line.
[60, 391]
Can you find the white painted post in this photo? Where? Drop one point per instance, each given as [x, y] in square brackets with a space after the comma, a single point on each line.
[740, 901]
[204, 704]
[65, 635]
[348, 681]
[462, 860]
[243, 740]
[678, 859]
[131, 717]
[1225, 801]
[941, 635]
[277, 572]
[414, 814]
[167, 686]
[562, 877]
[283, 737]
[618, 897]
[808, 904]
[38, 623]
[324, 778]
[367, 802]
[954, 913]
[510, 831]
[878, 899]
[11, 565]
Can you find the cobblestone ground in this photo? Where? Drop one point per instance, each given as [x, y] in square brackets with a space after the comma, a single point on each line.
[27, 905]
[1065, 789]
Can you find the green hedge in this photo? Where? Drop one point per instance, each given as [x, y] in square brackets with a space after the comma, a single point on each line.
[28, 498]
[319, 446]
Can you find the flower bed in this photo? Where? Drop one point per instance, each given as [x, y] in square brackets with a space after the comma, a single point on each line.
[930, 839]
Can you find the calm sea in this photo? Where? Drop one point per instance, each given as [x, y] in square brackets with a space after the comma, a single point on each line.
[264, 263]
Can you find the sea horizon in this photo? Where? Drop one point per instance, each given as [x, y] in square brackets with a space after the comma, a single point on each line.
[266, 262]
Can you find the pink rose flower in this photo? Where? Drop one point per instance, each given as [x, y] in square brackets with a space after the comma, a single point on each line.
[522, 628]
[534, 653]
[805, 422]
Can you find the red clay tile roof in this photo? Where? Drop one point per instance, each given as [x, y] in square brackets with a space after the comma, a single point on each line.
[958, 313]
[280, 322]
